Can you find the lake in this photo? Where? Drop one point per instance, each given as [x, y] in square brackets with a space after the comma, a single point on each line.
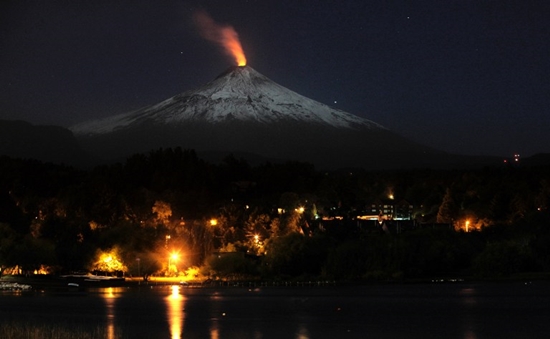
[428, 310]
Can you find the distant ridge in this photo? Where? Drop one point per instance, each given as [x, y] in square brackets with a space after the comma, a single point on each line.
[541, 159]
[20, 139]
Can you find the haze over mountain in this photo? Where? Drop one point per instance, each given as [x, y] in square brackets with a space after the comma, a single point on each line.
[244, 112]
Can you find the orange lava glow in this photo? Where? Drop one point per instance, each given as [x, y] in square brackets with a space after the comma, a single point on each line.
[225, 36]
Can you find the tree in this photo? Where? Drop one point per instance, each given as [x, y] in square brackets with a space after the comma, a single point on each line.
[256, 230]
[231, 265]
[8, 241]
[447, 209]
[108, 261]
[33, 254]
[349, 260]
[143, 263]
[503, 258]
[163, 212]
[295, 255]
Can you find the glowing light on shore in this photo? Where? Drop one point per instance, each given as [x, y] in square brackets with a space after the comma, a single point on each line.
[108, 262]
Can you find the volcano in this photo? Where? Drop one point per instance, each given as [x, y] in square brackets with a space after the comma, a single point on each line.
[242, 112]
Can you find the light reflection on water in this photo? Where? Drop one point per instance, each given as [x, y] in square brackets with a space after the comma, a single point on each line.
[468, 311]
[175, 312]
[175, 301]
[109, 295]
[468, 301]
[303, 333]
[214, 320]
[214, 331]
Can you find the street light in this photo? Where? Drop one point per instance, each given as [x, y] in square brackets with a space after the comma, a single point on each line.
[172, 258]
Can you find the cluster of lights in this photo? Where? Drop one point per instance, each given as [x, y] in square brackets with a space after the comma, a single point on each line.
[516, 158]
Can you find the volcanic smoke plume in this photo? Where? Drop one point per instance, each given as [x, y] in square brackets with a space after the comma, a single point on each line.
[223, 35]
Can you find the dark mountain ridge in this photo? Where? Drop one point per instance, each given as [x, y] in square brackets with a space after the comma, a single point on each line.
[20, 139]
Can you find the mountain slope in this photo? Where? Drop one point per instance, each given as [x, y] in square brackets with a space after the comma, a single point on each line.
[242, 111]
[241, 93]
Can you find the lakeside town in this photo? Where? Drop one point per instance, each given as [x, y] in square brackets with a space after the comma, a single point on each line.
[169, 214]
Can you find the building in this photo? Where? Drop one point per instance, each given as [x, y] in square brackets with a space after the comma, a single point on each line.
[390, 209]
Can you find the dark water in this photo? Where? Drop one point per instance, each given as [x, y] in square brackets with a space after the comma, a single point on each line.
[460, 310]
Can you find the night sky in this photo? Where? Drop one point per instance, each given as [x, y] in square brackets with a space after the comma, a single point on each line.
[464, 76]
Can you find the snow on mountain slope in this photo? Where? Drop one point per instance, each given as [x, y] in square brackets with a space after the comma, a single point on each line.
[241, 93]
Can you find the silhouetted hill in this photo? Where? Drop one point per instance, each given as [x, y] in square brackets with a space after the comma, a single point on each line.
[20, 139]
[542, 159]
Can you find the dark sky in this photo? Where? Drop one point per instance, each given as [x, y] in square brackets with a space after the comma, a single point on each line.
[466, 76]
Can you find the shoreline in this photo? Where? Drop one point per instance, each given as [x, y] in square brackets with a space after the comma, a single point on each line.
[47, 282]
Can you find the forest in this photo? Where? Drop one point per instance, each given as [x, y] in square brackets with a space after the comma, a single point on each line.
[170, 213]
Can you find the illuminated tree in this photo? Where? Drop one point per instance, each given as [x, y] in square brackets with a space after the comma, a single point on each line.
[163, 212]
[256, 232]
[195, 240]
[275, 228]
[291, 222]
[108, 261]
[227, 229]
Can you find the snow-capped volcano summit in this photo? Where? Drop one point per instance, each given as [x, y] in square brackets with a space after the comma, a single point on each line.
[244, 112]
[240, 93]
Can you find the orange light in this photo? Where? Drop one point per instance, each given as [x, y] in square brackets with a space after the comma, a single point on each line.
[226, 36]
[176, 314]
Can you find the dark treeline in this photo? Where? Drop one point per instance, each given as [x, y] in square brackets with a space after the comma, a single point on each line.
[272, 221]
